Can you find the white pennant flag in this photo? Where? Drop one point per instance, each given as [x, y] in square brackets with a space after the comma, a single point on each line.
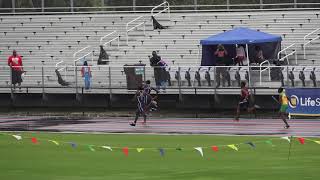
[18, 137]
[286, 138]
[107, 147]
[200, 150]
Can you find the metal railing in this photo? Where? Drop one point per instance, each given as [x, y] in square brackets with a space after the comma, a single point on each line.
[294, 52]
[305, 42]
[135, 26]
[75, 60]
[110, 41]
[265, 69]
[202, 78]
[166, 7]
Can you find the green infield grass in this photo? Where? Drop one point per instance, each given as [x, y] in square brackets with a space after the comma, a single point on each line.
[87, 160]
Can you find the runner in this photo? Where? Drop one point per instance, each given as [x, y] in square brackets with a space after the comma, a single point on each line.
[244, 103]
[147, 88]
[283, 100]
[143, 105]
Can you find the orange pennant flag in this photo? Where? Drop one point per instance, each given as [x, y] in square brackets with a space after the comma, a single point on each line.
[125, 150]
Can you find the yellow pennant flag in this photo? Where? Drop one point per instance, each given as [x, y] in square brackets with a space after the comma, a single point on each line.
[140, 149]
[55, 142]
[232, 146]
[318, 142]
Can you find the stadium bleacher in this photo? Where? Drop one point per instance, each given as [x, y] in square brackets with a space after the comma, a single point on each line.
[46, 40]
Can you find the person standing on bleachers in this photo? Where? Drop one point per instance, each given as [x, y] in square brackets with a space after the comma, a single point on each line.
[15, 63]
[154, 62]
[241, 55]
[258, 56]
[86, 74]
[221, 54]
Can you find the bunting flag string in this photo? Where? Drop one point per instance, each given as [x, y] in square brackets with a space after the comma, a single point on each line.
[161, 150]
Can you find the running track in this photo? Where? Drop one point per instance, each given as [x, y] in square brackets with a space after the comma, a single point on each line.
[299, 127]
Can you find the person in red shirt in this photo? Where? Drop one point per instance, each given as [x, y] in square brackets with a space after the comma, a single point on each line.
[244, 102]
[15, 62]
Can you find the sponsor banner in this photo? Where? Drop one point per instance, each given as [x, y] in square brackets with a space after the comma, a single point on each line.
[304, 101]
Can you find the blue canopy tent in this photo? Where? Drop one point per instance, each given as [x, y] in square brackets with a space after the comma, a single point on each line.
[270, 44]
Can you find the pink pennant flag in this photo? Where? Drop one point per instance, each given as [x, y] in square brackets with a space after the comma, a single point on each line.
[34, 140]
[301, 140]
[215, 148]
[125, 150]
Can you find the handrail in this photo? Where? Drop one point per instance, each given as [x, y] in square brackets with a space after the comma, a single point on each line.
[261, 70]
[104, 37]
[294, 51]
[306, 43]
[60, 62]
[166, 7]
[77, 52]
[136, 19]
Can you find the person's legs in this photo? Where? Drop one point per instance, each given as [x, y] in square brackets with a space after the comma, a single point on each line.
[136, 118]
[283, 114]
[237, 113]
[218, 73]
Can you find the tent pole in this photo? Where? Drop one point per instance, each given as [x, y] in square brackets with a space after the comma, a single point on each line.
[247, 50]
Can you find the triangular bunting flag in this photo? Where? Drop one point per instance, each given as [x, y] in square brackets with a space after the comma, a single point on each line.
[301, 140]
[107, 147]
[34, 140]
[140, 149]
[251, 144]
[286, 138]
[74, 145]
[125, 150]
[232, 146]
[199, 149]
[215, 148]
[55, 142]
[91, 148]
[269, 142]
[161, 150]
[18, 137]
[318, 142]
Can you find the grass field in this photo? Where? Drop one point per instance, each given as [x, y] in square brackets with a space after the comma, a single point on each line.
[47, 161]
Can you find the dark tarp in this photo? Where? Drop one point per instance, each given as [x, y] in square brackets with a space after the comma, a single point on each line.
[270, 44]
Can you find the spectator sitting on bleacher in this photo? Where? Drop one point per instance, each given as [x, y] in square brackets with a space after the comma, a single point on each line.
[15, 62]
[241, 55]
[258, 56]
[86, 74]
